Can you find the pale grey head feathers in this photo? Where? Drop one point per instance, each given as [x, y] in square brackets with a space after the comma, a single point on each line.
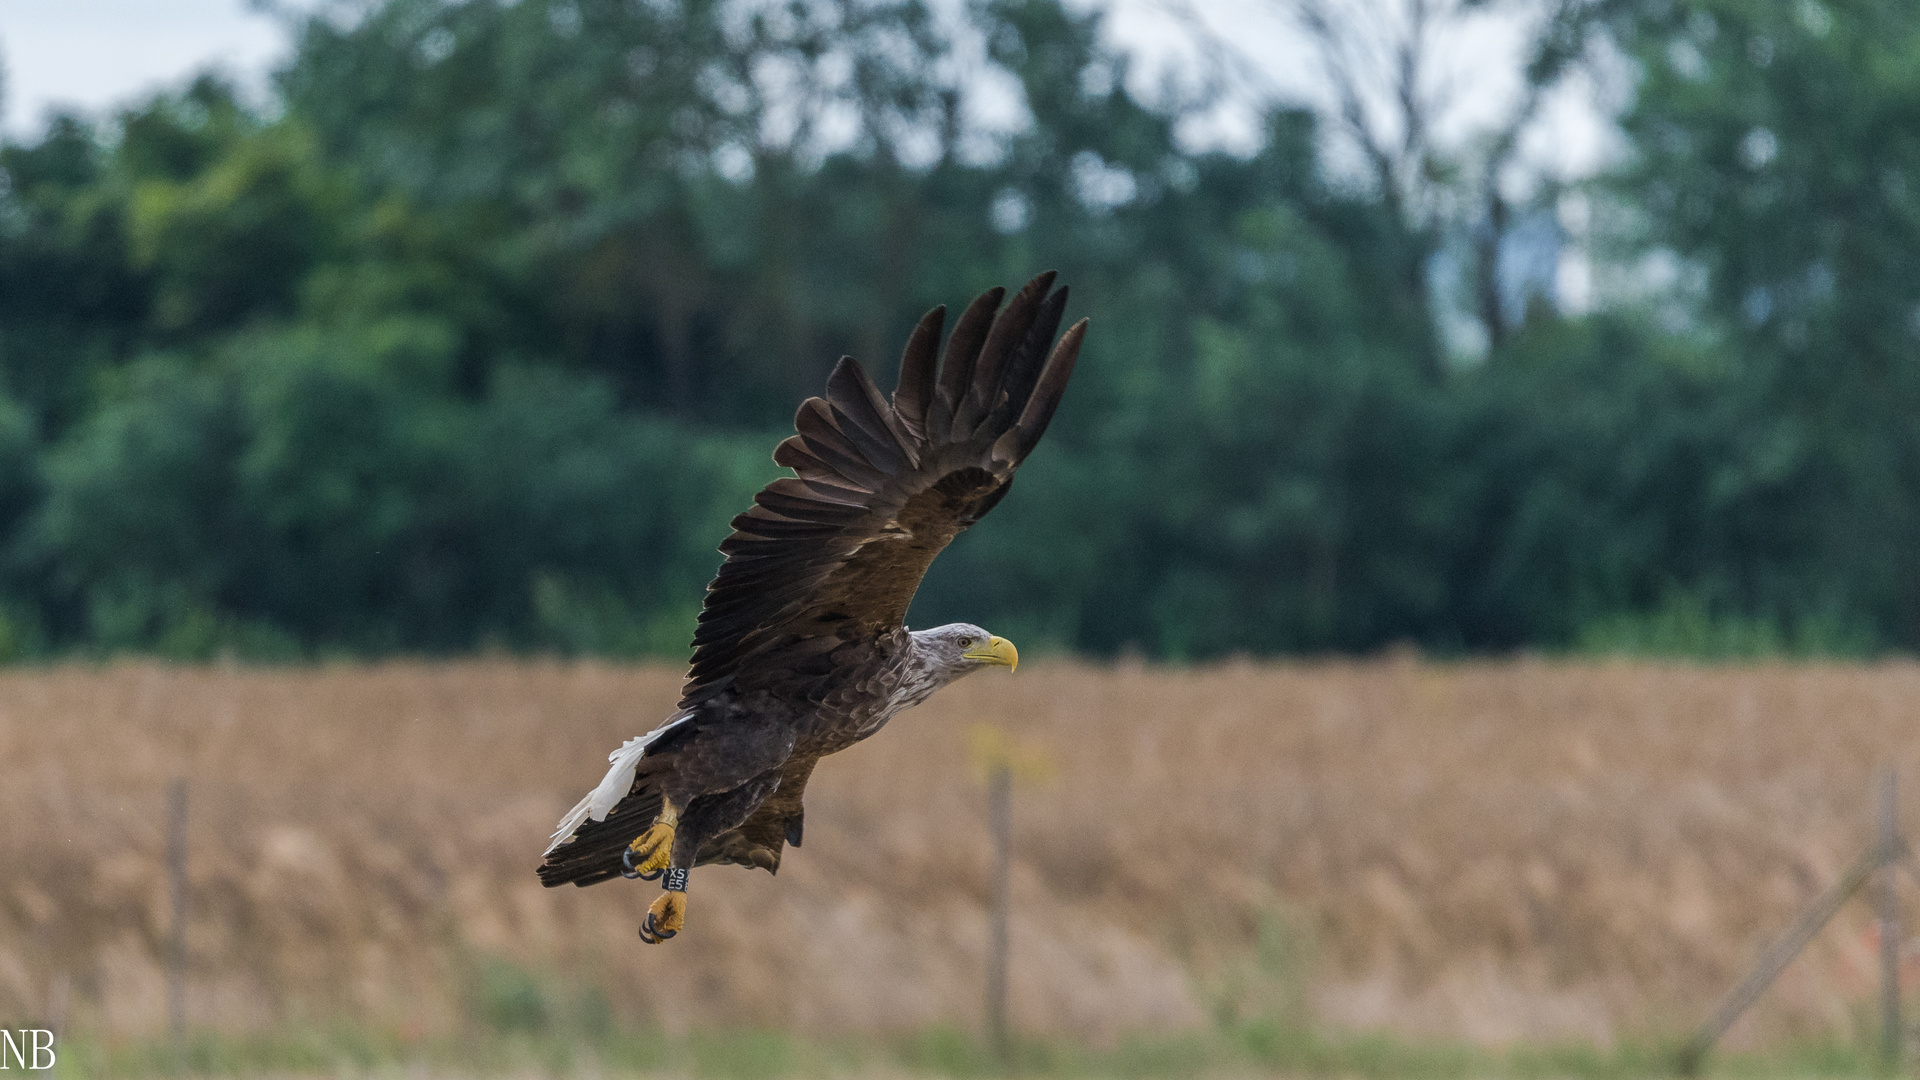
[958, 648]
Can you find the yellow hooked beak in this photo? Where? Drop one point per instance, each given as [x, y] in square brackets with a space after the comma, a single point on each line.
[996, 650]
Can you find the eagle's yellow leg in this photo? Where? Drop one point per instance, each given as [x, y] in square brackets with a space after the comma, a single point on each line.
[665, 918]
[646, 858]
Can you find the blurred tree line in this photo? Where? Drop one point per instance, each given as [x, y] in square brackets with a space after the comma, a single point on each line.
[477, 335]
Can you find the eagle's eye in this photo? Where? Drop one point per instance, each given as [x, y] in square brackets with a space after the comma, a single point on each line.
[966, 643]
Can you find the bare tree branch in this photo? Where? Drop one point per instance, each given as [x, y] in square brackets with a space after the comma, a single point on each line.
[1390, 97]
[1436, 191]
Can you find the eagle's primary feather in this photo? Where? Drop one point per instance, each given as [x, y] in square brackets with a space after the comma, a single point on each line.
[800, 649]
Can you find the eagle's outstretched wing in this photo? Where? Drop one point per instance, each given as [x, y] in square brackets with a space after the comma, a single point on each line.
[832, 556]
[836, 552]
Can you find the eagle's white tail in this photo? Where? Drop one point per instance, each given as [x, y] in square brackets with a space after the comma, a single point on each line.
[618, 781]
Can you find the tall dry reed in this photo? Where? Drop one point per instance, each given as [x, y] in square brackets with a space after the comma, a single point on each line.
[1493, 850]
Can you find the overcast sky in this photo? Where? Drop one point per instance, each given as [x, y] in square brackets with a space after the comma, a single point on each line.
[95, 54]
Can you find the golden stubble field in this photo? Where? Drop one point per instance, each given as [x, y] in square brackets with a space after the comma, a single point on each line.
[1499, 851]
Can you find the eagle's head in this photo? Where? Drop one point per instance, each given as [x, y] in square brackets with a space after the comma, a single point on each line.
[957, 649]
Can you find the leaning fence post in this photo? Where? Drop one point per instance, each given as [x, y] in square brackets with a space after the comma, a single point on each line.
[1777, 955]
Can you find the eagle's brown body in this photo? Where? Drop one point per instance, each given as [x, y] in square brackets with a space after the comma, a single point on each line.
[801, 649]
[757, 732]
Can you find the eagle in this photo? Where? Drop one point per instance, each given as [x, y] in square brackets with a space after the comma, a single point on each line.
[801, 648]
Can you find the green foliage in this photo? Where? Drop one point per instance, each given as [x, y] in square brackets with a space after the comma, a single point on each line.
[1266, 1048]
[479, 336]
[1685, 627]
[508, 999]
[296, 483]
[1269, 982]
[1773, 152]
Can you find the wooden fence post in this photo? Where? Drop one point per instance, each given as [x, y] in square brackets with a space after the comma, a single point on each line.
[177, 888]
[1000, 815]
[1888, 898]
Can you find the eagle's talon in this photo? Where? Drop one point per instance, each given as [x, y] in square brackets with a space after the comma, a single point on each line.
[646, 858]
[665, 918]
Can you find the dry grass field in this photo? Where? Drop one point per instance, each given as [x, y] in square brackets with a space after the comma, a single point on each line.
[1495, 851]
